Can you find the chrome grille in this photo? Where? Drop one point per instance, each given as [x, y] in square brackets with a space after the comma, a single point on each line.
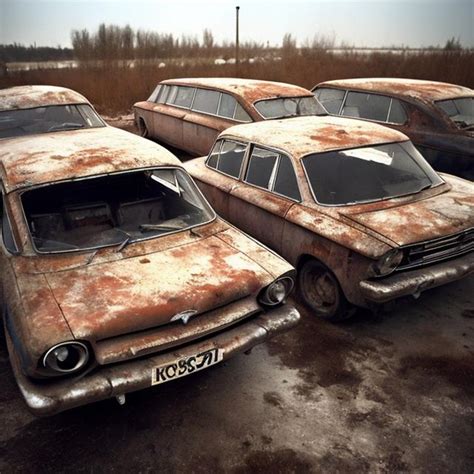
[426, 253]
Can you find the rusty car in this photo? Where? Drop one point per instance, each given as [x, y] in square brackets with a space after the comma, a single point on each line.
[115, 273]
[436, 116]
[351, 204]
[189, 114]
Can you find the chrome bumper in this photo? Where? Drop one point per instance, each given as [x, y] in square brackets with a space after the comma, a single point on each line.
[415, 281]
[110, 381]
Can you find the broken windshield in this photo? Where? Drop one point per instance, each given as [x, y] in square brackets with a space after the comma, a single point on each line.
[289, 107]
[54, 118]
[113, 210]
[460, 111]
[372, 173]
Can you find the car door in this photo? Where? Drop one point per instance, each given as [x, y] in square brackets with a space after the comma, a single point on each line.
[269, 189]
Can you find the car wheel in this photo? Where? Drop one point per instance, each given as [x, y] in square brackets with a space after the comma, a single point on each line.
[142, 128]
[321, 292]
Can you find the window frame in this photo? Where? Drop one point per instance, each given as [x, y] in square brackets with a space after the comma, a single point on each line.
[244, 159]
[279, 154]
[4, 211]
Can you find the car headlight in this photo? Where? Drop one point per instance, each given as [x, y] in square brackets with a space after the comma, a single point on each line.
[276, 292]
[387, 263]
[66, 357]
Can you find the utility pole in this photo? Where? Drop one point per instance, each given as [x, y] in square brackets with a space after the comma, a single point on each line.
[237, 41]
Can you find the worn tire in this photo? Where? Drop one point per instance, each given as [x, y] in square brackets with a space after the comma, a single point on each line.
[143, 129]
[320, 291]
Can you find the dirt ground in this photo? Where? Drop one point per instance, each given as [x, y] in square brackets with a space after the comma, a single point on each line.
[387, 393]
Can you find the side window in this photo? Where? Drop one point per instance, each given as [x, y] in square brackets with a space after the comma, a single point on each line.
[397, 112]
[241, 115]
[368, 106]
[184, 97]
[7, 234]
[154, 94]
[231, 157]
[172, 94]
[286, 183]
[163, 95]
[206, 101]
[331, 99]
[261, 169]
[227, 106]
[214, 155]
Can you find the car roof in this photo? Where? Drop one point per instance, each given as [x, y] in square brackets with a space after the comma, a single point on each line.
[302, 135]
[250, 90]
[28, 97]
[43, 158]
[427, 91]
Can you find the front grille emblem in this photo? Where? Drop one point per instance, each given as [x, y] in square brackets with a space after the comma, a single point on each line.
[184, 315]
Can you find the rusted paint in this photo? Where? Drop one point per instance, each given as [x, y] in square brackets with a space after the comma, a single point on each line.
[426, 91]
[28, 97]
[299, 136]
[118, 379]
[73, 154]
[347, 239]
[250, 90]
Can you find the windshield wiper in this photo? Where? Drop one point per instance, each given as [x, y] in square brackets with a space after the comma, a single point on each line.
[65, 126]
[150, 227]
[125, 242]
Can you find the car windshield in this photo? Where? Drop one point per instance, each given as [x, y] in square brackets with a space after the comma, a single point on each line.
[53, 118]
[289, 107]
[371, 173]
[113, 210]
[460, 111]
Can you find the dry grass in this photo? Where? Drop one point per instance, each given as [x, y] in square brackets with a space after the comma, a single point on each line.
[113, 90]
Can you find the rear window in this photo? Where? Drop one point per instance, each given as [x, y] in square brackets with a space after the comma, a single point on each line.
[330, 99]
[54, 118]
[460, 111]
[373, 107]
[289, 107]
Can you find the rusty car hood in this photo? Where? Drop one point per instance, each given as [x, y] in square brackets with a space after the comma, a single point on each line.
[424, 219]
[131, 294]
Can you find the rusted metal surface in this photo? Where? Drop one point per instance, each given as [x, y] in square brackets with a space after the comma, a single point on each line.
[302, 135]
[28, 97]
[426, 91]
[250, 90]
[446, 146]
[73, 154]
[418, 280]
[138, 344]
[119, 379]
[347, 239]
[122, 301]
[195, 131]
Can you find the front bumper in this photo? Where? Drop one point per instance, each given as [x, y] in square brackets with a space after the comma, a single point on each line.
[110, 381]
[413, 282]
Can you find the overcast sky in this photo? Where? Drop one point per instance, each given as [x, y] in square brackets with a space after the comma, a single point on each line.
[357, 22]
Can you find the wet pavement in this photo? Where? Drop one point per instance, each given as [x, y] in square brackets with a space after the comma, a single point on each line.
[387, 393]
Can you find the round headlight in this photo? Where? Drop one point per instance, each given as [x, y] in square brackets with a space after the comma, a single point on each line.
[388, 262]
[66, 357]
[276, 292]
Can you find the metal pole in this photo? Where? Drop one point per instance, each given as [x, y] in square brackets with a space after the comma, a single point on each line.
[237, 40]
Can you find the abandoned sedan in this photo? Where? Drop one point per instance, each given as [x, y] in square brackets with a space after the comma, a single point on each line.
[353, 205]
[189, 114]
[437, 117]
[116, 274]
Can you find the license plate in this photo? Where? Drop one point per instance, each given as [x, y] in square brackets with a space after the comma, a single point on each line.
[186, 366]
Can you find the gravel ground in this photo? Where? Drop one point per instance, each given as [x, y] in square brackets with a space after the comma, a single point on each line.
[386, 393]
